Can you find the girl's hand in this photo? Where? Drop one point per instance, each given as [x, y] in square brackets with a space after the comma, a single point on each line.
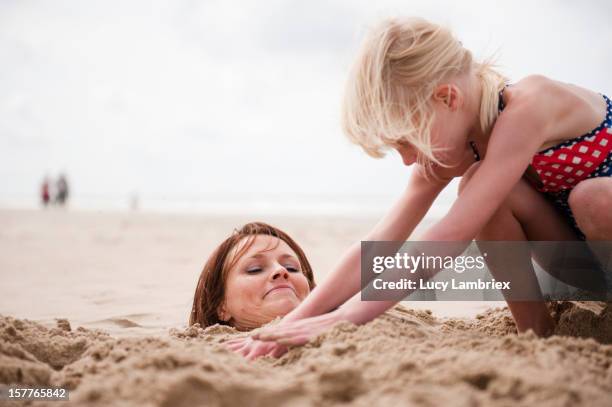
[299, 332]
[253, 349]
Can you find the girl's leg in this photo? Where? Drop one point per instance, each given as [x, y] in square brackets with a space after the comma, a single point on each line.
[525, 215]
[591, 202]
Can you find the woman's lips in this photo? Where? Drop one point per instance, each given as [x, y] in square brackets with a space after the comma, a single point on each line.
[278, 287]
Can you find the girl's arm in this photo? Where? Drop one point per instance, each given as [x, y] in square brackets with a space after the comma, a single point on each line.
[517, 135]
[344, 280]
[515, 138]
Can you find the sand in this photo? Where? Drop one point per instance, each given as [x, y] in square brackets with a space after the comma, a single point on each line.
[97, 303]
[406, 356]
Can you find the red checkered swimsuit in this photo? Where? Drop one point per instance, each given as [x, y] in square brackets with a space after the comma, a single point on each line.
[563, 166]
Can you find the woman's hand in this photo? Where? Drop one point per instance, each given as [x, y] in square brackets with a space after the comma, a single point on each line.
[252, 349]
[298, 333]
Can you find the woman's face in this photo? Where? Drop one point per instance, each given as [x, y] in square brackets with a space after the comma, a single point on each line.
[265, 283]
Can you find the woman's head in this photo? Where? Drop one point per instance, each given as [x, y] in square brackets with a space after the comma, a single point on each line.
[405, 67]
[255, 275]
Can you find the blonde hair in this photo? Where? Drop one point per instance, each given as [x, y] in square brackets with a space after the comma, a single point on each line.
[388, 97]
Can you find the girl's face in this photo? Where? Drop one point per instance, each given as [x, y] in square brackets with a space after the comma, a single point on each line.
[453, 123]
[457, 110]
[451, 147]
[407, 152]
[450, 136]
[265, 283]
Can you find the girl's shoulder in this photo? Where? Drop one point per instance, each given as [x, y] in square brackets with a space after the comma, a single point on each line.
[534, 81]
[532, 99]
[567, 110]
[530, 89]
[550, 92]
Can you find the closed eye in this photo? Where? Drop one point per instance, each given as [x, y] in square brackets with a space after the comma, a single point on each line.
[254, 270]
[293, 269]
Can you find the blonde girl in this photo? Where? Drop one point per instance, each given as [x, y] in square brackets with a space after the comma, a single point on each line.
[534, 158]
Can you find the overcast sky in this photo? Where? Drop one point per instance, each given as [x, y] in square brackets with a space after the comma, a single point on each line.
[235, 101]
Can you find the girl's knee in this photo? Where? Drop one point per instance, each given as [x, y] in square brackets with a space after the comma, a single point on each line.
[592, 195]
[590, 203]
[523, 205]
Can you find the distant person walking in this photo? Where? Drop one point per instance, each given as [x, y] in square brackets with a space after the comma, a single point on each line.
[45, 193]
[62, 190]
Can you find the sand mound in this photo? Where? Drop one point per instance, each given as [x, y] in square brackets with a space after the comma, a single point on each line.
[30, 353]
[584, 319]
[404, 357]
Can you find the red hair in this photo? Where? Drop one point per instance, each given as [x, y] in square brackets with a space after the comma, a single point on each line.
[210, 291]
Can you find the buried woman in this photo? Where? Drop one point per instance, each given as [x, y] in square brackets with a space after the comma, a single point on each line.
[257, 274]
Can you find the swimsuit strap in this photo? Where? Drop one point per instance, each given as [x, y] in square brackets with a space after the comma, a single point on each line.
[500, 103]
[500, 107]
[475, 151]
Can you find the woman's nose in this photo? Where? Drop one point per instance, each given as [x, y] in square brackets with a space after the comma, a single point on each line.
[280, 272]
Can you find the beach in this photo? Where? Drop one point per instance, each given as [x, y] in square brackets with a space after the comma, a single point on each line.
[98, 302]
